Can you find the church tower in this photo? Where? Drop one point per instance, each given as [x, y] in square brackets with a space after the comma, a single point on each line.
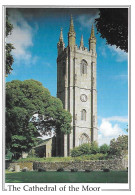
[76, 87]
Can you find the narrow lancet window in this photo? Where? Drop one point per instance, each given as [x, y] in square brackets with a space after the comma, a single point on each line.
[83, 115]
[83, 67]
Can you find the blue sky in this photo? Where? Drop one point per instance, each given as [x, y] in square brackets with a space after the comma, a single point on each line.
[35, 36]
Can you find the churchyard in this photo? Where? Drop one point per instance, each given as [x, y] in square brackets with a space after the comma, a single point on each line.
[87, 164]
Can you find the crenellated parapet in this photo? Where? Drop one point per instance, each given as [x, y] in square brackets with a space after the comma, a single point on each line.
[72, 41]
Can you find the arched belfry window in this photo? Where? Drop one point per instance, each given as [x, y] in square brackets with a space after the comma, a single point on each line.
[83, 67]
[83, 115]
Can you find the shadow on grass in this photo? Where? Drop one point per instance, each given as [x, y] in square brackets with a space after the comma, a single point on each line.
[67, 177]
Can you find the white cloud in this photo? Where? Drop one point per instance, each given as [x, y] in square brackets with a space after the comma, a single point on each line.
[117, 118]
[102, 51]
[21, 38]
[103, 140]
[120, 54]
[88, 19]
[107, 131]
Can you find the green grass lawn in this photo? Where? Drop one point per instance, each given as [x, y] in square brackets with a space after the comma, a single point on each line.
[67, 177]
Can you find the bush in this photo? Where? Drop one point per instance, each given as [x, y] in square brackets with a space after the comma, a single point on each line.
[106, 170]
[74, 170]
[119, 145]
[94, 149]
[104, 149]
[41, 170]
[88, 170]
[84, 149]
[76, 152]
[60, 170]
[25, 169]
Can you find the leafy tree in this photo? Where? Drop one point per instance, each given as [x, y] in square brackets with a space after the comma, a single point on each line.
[9, 47]
[104, 149]
[23, 100]
[113, 26]
[126, 129]
[119, 145]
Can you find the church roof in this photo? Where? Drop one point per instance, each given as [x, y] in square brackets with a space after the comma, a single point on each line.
[44, 143]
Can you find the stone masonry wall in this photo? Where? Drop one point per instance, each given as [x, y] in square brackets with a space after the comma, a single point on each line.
[95, 165]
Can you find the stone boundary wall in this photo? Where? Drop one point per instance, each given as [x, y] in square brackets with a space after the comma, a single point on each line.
[95, 165]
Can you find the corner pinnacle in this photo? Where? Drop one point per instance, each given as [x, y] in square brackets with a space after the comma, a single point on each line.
[61, 36]
[71, 29]
[92, 32]
[81, 42]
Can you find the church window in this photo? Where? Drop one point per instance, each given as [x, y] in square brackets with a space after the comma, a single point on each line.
[83, 67]
[84, 138]
[83, 115]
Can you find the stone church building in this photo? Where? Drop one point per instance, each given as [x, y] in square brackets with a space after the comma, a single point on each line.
[76, 87]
